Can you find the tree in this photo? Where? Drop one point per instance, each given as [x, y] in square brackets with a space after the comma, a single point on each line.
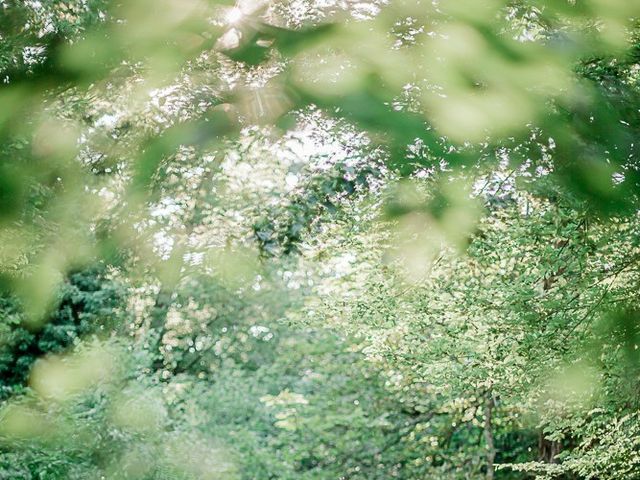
[197, 189]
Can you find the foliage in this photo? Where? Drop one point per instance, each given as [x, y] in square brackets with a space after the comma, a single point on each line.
[89, 302]
[319, 239]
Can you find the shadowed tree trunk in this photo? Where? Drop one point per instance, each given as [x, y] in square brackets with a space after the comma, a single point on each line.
[548, 449]
[488, 436]
[172, 275]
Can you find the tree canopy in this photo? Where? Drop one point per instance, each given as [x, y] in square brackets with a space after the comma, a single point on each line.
[319, 239]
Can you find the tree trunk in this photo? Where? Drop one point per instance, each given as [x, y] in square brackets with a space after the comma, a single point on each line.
[170, 274]
[488, 437]
[548, 449]
[159, 314]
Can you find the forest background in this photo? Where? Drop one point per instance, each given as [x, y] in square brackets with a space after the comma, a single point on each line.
[319, 239]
